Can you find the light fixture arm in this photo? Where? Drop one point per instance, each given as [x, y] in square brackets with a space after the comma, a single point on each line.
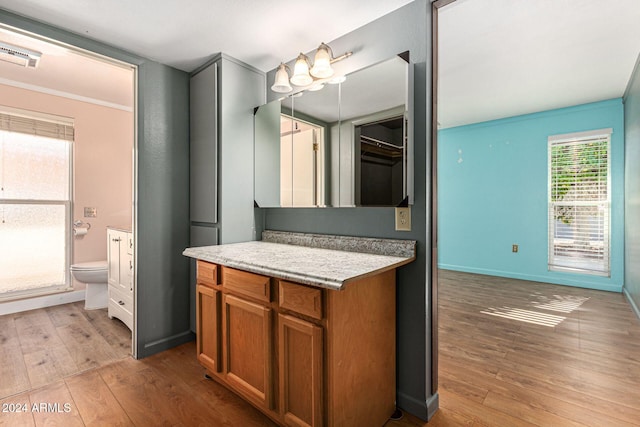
[341, 57]
[305, 73]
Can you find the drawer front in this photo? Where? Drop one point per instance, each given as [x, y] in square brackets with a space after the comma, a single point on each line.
[121, 306]
[120, 298]
[207, 273]
[301, 299]
[248, 284]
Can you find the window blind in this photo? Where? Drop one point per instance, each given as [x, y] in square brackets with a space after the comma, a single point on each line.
[34, 126]
[579, 202]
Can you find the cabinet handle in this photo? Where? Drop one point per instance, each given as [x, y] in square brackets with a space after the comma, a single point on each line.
[116, 240]
[121, 302]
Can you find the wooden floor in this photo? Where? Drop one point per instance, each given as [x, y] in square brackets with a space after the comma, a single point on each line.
[40, 347]
[516, 353]
[512, 353]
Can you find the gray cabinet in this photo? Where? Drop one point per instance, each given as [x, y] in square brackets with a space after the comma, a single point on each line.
[204, 145]
[223, 95]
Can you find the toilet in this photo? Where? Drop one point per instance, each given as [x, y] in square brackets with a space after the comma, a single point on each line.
[94, 275]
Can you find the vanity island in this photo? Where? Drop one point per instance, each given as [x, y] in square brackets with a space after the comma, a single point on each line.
[303, 326]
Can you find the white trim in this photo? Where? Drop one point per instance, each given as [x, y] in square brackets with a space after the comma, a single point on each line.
[568, 137]
[632, 303]
[63, 94]
[40, 302]
[570, 141]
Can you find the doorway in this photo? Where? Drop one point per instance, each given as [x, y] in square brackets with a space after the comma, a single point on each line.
[485, 27]
[97, 96]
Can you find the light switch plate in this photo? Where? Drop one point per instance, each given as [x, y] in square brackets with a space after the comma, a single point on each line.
[403, 219]
[90, 212]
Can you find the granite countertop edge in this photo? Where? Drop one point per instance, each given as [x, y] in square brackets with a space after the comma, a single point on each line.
[212, 254]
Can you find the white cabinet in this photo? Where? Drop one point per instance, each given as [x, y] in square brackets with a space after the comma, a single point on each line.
[120, 275]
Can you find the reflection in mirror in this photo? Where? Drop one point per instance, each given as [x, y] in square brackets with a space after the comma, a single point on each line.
[291, 148]
[347, 144]
[301, 163]
[375, 151]
[380, 177]
[267, 154]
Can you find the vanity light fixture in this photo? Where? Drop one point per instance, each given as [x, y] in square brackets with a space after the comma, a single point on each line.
[304, 74]
[301, 75]
[281, 84]
[322, 62]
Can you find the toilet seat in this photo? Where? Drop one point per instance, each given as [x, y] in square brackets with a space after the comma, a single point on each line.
[89, 266]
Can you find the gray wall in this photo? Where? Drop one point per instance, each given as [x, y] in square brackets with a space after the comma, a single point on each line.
[162, 227]
[632, 190]
[163, 209]
[405, 29]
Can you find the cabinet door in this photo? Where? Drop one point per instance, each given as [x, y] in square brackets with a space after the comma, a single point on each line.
[300, 371]
[113, 257]
[208, 327]
[248, 354]
[125, 264]
[203, 145]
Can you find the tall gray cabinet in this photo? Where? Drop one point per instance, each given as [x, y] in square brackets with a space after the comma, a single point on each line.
[223, 95]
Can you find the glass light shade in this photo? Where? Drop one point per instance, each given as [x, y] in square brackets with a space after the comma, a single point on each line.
[301, 75]
[322, 63]
[281, 83]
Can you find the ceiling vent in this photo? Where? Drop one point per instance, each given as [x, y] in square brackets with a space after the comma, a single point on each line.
[19, 55]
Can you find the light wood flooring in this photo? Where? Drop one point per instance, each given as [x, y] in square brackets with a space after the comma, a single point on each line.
[42, 346]
[512, 353]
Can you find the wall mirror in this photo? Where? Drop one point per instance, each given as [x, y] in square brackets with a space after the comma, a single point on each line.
[347, 144]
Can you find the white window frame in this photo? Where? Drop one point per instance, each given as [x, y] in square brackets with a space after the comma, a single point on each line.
[47, 125]
[555, 262]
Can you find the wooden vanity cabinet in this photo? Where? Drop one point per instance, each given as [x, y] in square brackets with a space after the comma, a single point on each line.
[300, 363]
[208, 320]
[304, 356]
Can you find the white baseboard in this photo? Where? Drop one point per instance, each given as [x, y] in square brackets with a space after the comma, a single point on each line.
[634, 307]
[40, 302]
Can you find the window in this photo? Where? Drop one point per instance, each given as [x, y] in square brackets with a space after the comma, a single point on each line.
[579, 202]
[35, 205]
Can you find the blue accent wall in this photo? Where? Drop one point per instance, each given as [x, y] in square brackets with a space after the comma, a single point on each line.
[632, 189]
[492, 180]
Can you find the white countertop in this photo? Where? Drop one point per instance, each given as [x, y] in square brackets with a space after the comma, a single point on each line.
[325, 268]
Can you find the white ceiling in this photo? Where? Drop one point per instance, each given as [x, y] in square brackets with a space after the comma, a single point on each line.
[184, 34]
[501, 58]
[67, 73]
[498, 58]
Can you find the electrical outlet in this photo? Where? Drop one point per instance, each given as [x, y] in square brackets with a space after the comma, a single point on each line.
[514, 248]
[403, 219]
